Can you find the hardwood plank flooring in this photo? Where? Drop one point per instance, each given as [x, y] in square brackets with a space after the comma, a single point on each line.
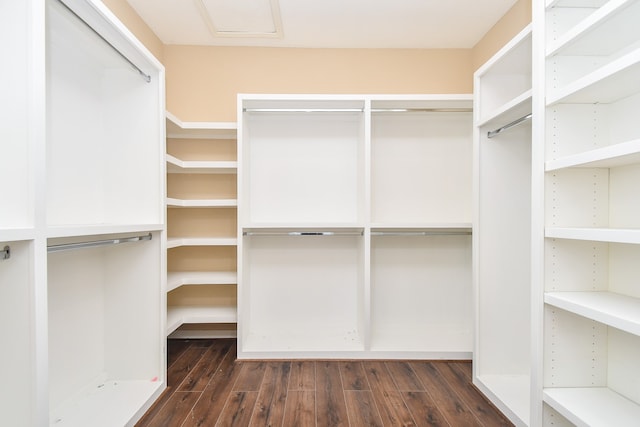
[207, 386]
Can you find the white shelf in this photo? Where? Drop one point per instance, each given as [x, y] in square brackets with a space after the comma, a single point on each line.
[182, 278]
[93, 230]
[175, 242]
[503, 83]
[593, 407]
[575, 3]
[619, 311]
[609, 83]
[512, 110]
[201, 203]
[175, 165]
[511, 394]
[180, 315]
[461, 226]
[176, 128]
[14, 234]
[602, 33]
[596, 234]
[289, 226]
[110, 403]
[622, 154]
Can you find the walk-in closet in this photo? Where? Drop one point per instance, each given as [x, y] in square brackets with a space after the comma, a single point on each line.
[290, 212]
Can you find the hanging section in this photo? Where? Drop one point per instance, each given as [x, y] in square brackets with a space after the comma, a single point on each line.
[338, 195]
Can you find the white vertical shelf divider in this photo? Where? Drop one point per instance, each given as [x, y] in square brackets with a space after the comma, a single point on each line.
[590, 331]
[340, 225]
[502, 227]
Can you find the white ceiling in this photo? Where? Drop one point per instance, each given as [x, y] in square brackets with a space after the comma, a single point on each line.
[322, 23]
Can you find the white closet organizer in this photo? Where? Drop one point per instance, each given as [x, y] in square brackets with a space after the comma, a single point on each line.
[85, 325]
[354, 224]
[18, 148]
[592, 228]
[502, 228]
[201, 227]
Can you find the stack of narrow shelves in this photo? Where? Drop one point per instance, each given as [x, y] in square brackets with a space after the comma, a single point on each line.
[502, 227]
[201, 215]
[349, 244]
[592, 234]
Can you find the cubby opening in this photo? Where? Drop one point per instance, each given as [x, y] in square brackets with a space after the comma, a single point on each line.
[105, 352]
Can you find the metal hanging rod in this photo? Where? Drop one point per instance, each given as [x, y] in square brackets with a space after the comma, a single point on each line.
[302, 233]
[82, 245]
[144, 75]
[421, 110]
[5, 253]
[493, 133]
[422, 233]
[302, 110]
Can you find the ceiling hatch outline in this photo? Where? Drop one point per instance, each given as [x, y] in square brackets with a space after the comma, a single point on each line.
[241, 18]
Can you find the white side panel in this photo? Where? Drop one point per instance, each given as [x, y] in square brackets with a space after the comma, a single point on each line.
[503, 312]
[15, 166]
[16, 291]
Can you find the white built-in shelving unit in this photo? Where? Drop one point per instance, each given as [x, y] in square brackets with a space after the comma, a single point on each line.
[201, 226]
[502, 227]
[354, 226]
[82, 218]
[590, 55]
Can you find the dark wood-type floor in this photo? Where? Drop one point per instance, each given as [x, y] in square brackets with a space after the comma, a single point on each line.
[207, 386]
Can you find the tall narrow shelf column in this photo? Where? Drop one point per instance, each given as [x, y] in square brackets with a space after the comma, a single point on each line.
[503, 227]
[201, 227]
[342, 225]
[590, 294]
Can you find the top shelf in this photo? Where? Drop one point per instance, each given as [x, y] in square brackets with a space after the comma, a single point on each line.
[176, 128]
[604, 32]
[503, 83]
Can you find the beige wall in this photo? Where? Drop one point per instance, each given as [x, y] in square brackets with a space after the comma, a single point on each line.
[504, 30]
[202, 82]
[136, 25]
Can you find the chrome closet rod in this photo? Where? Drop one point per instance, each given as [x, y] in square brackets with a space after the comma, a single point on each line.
[421, 233]
[516, 122]
[421, 110]
[93, 243]
[5, 253]
[146, 76]
[302, 110]
[301, 233]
